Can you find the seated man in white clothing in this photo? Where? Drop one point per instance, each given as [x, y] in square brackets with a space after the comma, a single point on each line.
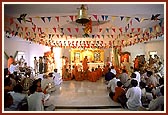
[13, 68]
[37, 99]
[57, 78]
[48, 81]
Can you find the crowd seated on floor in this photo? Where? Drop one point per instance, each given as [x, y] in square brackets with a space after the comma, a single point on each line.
[141, 89]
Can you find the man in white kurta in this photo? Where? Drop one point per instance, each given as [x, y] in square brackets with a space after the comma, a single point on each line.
[133, 95]
[36, 101]
[112, 84]
[57, 77]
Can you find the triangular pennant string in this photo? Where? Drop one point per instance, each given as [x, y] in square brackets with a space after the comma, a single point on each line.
[138, 29]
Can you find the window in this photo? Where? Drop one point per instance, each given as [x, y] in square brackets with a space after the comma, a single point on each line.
[20, 54]
[152, 53]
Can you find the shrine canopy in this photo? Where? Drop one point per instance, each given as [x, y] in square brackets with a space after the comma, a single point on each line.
[111, 25]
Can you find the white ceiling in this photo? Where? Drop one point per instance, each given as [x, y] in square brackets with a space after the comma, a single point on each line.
[132, 9]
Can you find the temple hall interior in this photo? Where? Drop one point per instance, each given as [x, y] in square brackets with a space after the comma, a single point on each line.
[83, 57]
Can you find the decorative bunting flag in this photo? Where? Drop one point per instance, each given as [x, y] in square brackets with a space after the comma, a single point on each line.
[106, 17]
[43, 18]
[57, 18]
[103, 17]
[120, 29]
[98, 36]
[95, 16]
[113, 18]
[93, 36]
[138, 29]
[132, 29]
[57, 36]
[39, 29]
[137, 19]
[127, 19]
[113, 29]
[49, 19]
[77, 30]
[100, 29]
[126, 28]
[30, 19]
[69, 29]
[55, 29]
[131, 22]
[107, 30]
[71, 18]
[103, 36]
[121, 17]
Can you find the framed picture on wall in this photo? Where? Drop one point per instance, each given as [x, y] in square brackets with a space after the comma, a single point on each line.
[77, 57]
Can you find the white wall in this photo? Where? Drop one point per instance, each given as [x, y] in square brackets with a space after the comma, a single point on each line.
[157, 46]
[11, 45]
[31, 50]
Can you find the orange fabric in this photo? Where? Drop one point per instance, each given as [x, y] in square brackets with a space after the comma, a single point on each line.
[105, 70]
[85, 64]
[79, 76]
[118, 92]
[10, 61]
[136, 63]
[99, 71]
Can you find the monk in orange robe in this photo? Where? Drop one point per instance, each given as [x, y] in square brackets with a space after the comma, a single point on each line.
[85, 64]
[105, 69]
[10, 61]
[99, 71]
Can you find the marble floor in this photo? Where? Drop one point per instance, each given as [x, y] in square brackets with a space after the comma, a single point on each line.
[83, 96]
